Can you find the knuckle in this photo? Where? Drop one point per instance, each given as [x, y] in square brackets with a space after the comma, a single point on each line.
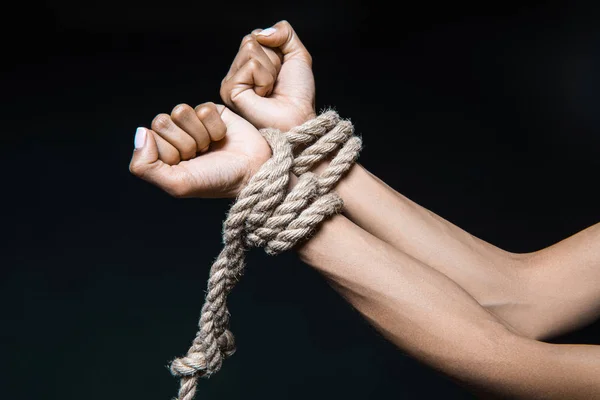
[180, 111]
[253, 63]
[245, 40]
[161, 122]
[136, 169]
[251, 45]
[204, 110]
[284, 23]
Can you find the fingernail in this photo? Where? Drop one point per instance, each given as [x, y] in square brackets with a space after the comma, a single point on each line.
[140, 138]
[267, 32]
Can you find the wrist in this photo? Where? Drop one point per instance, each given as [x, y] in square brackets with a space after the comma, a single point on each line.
[301, 118]
[345, 186]
[332, 160]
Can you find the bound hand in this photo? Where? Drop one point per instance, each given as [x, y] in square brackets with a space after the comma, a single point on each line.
[270, 82]
[230, 151]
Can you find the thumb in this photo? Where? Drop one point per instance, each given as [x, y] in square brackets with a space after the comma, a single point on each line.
[145, 153]
[145, 163]
[228, 117]
[234, 123]
[282, 36]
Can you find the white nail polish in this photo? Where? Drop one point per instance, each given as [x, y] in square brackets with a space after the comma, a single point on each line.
[267, 32]
[140, 138]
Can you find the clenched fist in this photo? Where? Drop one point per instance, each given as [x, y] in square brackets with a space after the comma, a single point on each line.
[207, 152]
[270, 82]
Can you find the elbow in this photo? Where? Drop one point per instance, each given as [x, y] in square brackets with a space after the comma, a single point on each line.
[522, 260]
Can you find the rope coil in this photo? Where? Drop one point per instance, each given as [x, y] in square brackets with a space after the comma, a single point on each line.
[266, 215]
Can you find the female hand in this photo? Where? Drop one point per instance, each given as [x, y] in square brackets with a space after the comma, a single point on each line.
[270, 82]
[207, 152]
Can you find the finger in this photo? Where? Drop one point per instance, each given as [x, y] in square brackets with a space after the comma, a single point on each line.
[146, 164]
[283, 36]
[185, 117]
[250, 80]
[250, 46]
[211, 119]
[184, 143]
[274, 54]
[250, 49]
[167, 153]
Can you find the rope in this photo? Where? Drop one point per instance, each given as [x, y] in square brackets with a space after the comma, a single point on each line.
[265, 215]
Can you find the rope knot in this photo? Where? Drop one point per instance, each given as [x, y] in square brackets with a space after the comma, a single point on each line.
[266, 215]
[192, 364]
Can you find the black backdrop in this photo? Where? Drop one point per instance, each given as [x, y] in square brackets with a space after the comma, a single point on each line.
[487, 117]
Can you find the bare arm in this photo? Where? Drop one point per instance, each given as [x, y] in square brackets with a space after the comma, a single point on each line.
[505, 283]
[540, 294]
[431, 317]
[567, 277]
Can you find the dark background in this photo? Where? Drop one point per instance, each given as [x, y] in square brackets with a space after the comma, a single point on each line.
[487, 117]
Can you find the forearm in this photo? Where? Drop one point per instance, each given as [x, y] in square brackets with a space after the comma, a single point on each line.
[415, 307]
[412, 228]
[540, 294]
[483, 269]
[494, 277]
[432, 318]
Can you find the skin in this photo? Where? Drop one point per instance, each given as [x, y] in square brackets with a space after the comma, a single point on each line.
[459, 304]
[172, 159]
[270, 82]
